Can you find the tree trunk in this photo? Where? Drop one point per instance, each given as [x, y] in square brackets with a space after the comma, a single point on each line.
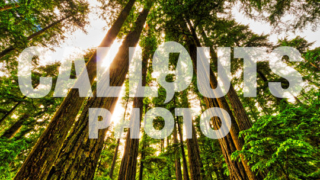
[11, 111]
[129, 160]
[79, 155]
[142, 156]
[195, 163]
[169, 164]
[237, 171]
[14, 107]
[9, 6]
[242, 118]
[162, 145]
[118, 143]
[237, 124]
[317, 67]
[49, 144]
[177, 155]
[114, 159]
[12, 48]
[9, 133]
[184, 160]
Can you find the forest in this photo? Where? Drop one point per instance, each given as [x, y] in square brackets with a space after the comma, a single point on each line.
[47, 138]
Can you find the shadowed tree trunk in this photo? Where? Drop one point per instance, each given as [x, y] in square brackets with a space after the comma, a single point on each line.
[11, 110]
[144, 145]
[177, 154]
[79, 155]
[47, 148]
[115, 156]
[9, 133]
[129, 160]
[195, 163]
[114, 160]
[242, 118]
[169, 164]
[184, 160]
[15, 106]
[243, 172]
[9, 6]
[241, 122]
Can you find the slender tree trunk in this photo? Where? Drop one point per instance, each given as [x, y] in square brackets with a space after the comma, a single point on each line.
[184, 159]
[9, 6]
[317, 67]
[169, 164]
[142, 156]
[14, 107]
[195, 163]
[118, 143]
[177, 155]
[162, 145]
[79, 155]
[12, 48]
[41, 158]
[11, 110]
[9, 133]
[129, 160]
[114, 160]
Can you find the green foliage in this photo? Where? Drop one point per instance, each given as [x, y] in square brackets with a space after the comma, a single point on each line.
[285, 145]
[21, 25]
[8, 153]
[303, 13]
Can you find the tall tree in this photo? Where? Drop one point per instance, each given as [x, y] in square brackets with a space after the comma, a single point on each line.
[222, 103]
[79, 154]
[115, 156]
[177, 154]
[47, 148]
[184, 159]
[129, 160]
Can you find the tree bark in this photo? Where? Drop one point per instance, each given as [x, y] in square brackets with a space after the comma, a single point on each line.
[168, 164]
[9, 6]
[177, 154]
[118, 143]
[114, 160]
[184, 160]
[129, 160]
[9, 133]
[242, 118]
[195, 163]
[11, 110]
[79, 155]
[142, 157]
[49, 144]
[240, 172]
[242, 122]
